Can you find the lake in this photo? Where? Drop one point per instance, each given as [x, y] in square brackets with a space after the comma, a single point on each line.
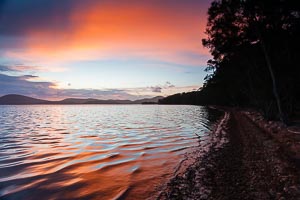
[95, 151]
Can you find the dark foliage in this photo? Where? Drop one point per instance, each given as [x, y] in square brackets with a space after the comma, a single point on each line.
[255, 47]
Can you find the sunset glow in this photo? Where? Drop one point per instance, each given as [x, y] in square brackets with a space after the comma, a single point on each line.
[129, 46]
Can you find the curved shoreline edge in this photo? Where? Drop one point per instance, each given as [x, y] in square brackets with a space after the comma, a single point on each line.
[241, 160]
[181, 183]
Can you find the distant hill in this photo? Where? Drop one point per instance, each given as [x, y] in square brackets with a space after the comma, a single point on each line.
[149, 100]
[14, 99]
[110, 101]
[75, 101]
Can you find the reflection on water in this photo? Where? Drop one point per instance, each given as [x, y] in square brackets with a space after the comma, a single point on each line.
[93, 151]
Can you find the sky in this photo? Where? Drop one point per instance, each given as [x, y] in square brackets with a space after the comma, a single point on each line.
[121, 49]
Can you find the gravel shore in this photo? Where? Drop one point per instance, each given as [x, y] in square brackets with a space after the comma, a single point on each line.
[241, 161]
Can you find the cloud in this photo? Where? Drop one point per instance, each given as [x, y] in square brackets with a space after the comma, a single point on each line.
[23, 69]
[156, 89]
[21, 85]
[29, 14]
[47, 90]
[4, 68]
[160, 88]
[167, 30]
[23, 16]
[169, 85]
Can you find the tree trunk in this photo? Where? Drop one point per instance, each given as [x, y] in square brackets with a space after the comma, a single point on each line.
[275, 92]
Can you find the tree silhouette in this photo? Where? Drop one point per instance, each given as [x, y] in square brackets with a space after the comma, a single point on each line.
[255, 50]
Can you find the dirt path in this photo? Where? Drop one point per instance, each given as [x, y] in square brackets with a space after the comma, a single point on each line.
[250, 165]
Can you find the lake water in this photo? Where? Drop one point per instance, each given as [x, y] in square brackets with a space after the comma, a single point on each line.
[94, 151]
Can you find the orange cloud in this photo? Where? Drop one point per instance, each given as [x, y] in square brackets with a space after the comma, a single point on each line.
[106, 30]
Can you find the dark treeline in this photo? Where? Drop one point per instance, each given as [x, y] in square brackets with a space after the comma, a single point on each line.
[255, 50]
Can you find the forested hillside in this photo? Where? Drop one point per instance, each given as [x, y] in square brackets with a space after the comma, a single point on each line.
[255, 57]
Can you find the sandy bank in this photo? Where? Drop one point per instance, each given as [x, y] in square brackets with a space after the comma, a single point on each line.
[242, 160]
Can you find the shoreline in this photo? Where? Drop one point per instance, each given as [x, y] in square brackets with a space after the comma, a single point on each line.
[242, 161]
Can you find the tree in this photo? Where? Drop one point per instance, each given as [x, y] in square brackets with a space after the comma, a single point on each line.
[255, 49]
[238, 27]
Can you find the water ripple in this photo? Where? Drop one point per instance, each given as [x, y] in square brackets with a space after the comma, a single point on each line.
[94, 151]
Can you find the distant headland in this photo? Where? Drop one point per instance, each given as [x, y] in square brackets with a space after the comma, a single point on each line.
[15, 99]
